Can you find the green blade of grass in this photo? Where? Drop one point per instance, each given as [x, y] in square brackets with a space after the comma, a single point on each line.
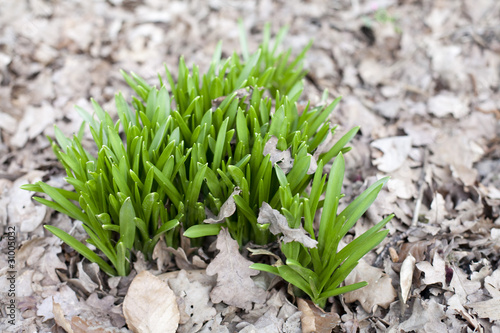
[82, 249]
[203, 230]
[127, 224]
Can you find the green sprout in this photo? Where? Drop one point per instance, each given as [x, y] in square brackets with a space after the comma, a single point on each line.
[207, 151]
[320, 268]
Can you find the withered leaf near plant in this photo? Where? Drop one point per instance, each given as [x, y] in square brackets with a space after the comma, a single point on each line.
[150, 305]
[279, 225]
[379, 291]
[195, 302]
[234, 285]
[284, 158]
[228, 208]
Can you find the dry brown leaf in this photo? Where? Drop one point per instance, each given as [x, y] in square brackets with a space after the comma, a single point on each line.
[283, 158]
[279, 225]
[234, 285]
[378, 292]
[227, 209]
[487, 309]
[438, 211]
[22, 209]
[395, 149]
[67, 300]
[435, 273]
[316, 320]
[81, 325]
[406, 276]
[35, 120]
[84, 282]
[462, 286]
[356, 114]
[445, 104]
[195, 301]
[161, 255]
[455, 306]
[426, 316]
[459, 153]
[266, 323]
[59, 317]
[416, 249]
[150, 305]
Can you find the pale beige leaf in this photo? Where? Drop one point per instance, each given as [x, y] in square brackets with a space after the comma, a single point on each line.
[227, 209]
[150, 305]
[426, 316]
[395, 149]
[315, 319]
[461, 284]
[487, 309]
[234, 285]
[59, 317]
[86, 325]
[434, 273]
[66, 298]
[455, 306]
[378, 292]
[21, 209]
[444, 104]
[283, 158]
[279, 225]
[195, 299]
[438, 210]
[406, 276]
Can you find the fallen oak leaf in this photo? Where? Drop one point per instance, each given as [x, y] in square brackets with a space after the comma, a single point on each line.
[396, 149]
[227, 209]
[284, 158]
[194, 300]
[378, 292]
[86, 325]
[279, 225]
[406, 277]
[150, 305]
[234, 285]
[435, 273]
[315, 319]
[59, 317]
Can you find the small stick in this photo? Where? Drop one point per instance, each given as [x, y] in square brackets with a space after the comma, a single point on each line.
[421, 185]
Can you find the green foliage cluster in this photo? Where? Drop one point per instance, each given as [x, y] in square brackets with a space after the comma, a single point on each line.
[318, 271]
[186, 148]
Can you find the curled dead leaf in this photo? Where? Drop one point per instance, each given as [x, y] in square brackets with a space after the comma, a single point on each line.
[234, 283]
[406, 277]
[378, 292]
[279, 225]
[150, 305]
[59, 317]
[284, 158]
[227, 209]
[315, 319]
[396, 150]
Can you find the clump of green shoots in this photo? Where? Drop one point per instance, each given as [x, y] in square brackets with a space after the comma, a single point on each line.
[225, 142]
[315, 265]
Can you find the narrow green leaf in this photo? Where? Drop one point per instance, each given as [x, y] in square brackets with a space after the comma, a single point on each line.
[265, 268]
[127, 225]
[203, 230]
[82, 249]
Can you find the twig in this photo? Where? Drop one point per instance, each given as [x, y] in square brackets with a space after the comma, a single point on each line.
[421, 185]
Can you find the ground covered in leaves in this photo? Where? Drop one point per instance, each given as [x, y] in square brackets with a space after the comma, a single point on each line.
[420, 77]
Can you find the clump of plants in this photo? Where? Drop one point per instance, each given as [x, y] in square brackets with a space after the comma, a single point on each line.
[228, 148]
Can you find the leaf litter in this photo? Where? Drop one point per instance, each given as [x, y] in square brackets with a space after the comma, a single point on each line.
[419, 77]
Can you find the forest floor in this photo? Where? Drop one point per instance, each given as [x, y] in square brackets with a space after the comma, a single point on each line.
[421, 78]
